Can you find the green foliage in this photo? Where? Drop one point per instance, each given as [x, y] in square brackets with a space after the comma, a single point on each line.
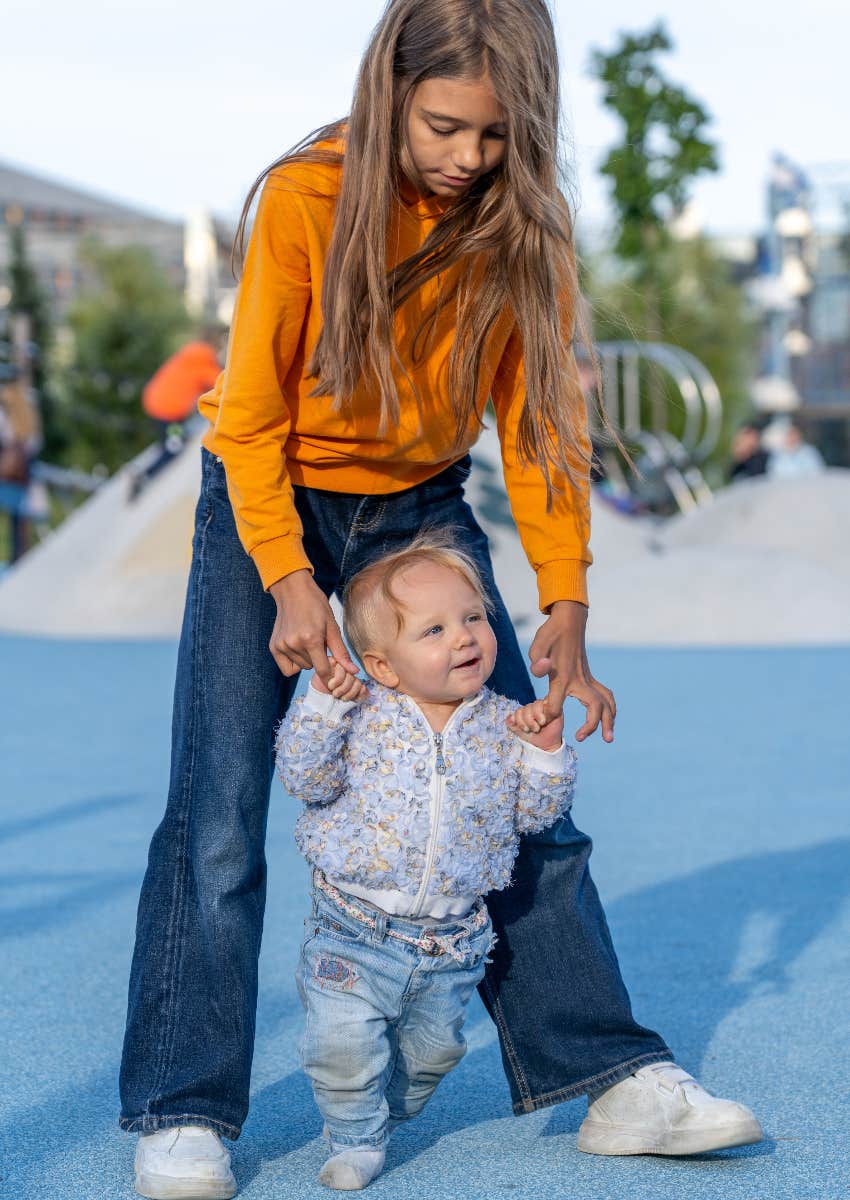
[663, 147]
[29, 299]
[124, 326]
[27, 295]
[654, 287]
[844, 236]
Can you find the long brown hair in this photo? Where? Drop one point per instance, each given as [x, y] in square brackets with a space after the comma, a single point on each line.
[511, 232]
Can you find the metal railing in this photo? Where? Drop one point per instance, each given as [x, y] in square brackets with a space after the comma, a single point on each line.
[641, 416]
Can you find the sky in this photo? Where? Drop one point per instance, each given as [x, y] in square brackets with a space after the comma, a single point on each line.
[171, 104]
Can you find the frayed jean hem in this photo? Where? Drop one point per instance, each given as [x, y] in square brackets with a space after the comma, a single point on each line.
[596, 1083]
[150, 1123]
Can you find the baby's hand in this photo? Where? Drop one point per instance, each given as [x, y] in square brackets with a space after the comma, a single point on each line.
[529, 723]
[342, 685]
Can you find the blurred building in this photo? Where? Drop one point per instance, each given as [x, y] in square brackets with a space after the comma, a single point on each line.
[57, 217]
[797, 276]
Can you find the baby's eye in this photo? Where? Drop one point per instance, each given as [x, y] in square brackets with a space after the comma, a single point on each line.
[433, 629]
[475, 617]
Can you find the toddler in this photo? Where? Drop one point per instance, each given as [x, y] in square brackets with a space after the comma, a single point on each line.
[416, 785]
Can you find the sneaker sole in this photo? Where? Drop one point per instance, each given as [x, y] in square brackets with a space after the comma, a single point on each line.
[166, 1187]
[607, 1139]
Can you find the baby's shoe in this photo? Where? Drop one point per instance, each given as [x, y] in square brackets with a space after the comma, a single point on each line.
[352, 1169]
[661, 1109]
[186, 1162]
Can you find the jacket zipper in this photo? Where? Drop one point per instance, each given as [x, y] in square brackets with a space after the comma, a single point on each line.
[438, 776]
[436, 808]
[440, 762]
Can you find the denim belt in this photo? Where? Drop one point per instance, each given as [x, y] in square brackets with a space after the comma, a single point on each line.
[427, 942]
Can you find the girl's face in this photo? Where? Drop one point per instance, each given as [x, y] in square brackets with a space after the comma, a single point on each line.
[456, 132]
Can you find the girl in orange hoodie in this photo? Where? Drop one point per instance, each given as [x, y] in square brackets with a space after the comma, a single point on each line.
[405, 266]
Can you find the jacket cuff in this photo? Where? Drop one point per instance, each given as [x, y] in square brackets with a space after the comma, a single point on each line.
[279, 557]
[551, 762]
[325, 705]
[565, 579]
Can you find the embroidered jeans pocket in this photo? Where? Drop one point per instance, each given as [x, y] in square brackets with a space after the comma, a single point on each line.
[336, 974]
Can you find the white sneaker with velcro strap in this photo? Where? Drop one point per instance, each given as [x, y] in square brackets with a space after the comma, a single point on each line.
[186, 1162]
[661, 1109]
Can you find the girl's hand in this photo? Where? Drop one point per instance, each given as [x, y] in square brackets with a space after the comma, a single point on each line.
[342, 685]
[532, 725]
[305, 629]
[558, 651]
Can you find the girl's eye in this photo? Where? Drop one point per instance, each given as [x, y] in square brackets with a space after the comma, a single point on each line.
[491, 133]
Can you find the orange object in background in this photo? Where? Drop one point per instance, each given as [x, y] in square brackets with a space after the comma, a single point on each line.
[172, 393]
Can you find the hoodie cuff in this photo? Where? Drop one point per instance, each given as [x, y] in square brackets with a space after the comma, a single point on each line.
[565, 579]
[279, 557]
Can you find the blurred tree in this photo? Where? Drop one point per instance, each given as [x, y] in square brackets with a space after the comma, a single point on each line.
[844, 235]
[655, 286]
[124, 325]
[663, 147]
[28, 299]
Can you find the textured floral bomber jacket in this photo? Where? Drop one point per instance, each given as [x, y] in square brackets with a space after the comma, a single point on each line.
[391, 805]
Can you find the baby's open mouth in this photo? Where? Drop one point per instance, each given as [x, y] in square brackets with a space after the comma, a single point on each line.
[470, 662]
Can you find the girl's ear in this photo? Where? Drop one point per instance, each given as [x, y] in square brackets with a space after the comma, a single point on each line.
[379, 669]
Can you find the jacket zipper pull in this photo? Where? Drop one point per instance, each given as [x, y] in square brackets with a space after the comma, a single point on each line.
[440, 764]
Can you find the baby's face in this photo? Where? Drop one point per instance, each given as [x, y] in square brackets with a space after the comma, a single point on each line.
[445, 649]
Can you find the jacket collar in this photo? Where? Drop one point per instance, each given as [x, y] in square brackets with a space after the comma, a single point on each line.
[462, 708]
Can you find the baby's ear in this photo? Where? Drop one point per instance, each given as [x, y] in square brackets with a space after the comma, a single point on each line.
[377, 667]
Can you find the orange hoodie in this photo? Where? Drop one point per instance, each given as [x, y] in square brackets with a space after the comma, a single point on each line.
[270, 433]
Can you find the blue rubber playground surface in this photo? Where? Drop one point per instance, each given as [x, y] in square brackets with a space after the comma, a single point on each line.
[722, 830]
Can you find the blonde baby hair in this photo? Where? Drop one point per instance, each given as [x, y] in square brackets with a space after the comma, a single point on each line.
[369, 593]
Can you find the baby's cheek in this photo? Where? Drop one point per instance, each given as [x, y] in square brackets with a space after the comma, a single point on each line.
[489, 647]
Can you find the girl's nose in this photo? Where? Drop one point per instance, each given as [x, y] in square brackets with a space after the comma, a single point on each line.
[468, 155]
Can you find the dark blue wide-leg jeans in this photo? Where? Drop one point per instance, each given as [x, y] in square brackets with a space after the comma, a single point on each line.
[553, 989]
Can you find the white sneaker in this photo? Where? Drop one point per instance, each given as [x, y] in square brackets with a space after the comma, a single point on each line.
[186, 1162]
[661, 1109]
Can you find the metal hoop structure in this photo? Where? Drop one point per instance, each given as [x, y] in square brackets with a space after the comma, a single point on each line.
[676, 460]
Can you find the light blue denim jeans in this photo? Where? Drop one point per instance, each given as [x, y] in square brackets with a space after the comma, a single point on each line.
[384, 1018]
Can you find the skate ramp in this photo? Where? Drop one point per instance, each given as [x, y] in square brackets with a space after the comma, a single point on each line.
[115, 567]
[767, 564]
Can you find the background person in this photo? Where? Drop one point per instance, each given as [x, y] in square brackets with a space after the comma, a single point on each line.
[170, 398]
[749, 457]
[20, 442]
[794, 457]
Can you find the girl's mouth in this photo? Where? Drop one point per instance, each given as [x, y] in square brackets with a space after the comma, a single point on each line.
[453, 181]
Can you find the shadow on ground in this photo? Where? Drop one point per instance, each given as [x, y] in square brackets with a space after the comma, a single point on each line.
[736, 929]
